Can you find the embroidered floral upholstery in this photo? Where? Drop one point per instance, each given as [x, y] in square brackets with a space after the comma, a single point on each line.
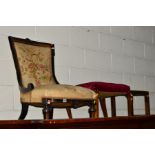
[57, 91]
[35, 64]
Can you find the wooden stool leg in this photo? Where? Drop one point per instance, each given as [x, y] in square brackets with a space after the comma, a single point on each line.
[147, 104]
[103, 106]
[69, 112]
[96, 104]
[130, 104]
[113, 106]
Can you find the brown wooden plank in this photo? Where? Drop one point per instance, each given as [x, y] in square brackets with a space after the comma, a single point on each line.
[134, 122]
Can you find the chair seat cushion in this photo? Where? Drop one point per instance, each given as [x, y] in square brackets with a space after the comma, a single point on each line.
[57, 91]
[106, 87]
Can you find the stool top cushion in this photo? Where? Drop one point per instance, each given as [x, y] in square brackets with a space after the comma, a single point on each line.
[106, 87]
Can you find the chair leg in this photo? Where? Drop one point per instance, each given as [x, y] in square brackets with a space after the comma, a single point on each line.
[24, 111]
[51, 111]
[69, 113]
[147, 104]
[130, 104]
[94, 109]
[103, 106]
[91, 111]
[113, 106]
[47, 112]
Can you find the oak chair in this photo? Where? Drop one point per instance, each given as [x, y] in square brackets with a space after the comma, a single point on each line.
[112, 90]
[34, 63]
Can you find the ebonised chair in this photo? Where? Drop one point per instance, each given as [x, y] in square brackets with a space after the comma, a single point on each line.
[34, 63]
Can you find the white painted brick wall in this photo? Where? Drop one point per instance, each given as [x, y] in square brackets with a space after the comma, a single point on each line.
[8, 76]
[110, 43]
[5, 53]
[149, 52]
[6, 98]
[149, 80]
[97, 60]
[103, 29]
[121, 63]
[133, 48]
[78, 75]
[62, 74]
[144, 67]
[55, 35]
[122, 31]
[86, 53]
[19, 31]
[110, 76]
[134, 81]
[69, 56]
[144, 34]
[84, 38]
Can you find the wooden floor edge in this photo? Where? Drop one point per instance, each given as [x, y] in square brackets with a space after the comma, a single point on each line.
[134, 122]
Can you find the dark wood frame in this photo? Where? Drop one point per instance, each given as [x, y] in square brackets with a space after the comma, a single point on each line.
[146, 96]
[112, 96]
[47, 103]
[130, 95]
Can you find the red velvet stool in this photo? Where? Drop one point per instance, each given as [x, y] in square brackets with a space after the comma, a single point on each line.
[111, 90]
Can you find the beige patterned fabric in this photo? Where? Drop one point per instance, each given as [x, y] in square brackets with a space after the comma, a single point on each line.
[57, 91]
[34, 64]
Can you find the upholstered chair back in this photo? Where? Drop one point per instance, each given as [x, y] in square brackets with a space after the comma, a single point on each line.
[33, 62]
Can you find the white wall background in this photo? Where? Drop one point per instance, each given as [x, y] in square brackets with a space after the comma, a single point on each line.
[113, 54]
